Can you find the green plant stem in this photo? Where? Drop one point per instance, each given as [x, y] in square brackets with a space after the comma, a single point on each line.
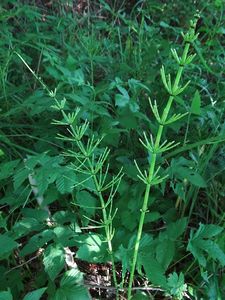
[144, 208]
[80, 145]
[105, 219]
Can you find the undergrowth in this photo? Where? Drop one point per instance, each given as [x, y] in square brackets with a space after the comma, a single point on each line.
[84, 113]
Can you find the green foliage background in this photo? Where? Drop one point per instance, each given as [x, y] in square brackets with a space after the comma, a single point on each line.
[106, 61]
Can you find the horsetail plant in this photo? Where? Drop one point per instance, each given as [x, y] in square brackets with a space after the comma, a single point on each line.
[154, 146]
[90, 162]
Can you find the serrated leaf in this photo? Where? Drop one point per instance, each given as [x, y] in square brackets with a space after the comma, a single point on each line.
[71, 293]
[65, 182]
[20, 177]
[7, 244]
[66, 236]
[7, 169]
[54, 260]
[212, 249]
[35, 295]
[165, 251]
[38, 214]
[37, 241]
[72, 277]
[176, 229]
[128, 220]
[86, 201]
[25, 226]
[154, 271]
[208, 231]
[199, 245]
[93, 249]
[176, 285]
[192, 176]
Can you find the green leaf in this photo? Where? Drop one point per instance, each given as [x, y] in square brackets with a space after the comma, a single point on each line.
[66, 236]
[25, 226]
[86, 201]
[6, 295]
[35, 295]
[196, 104]
[154, 271]
[37, 241]
[72, 293]
[122, 99]
[184, 169]
[20, 177]
[199, 244]
[74, 276]
[7, 244]
[7, 169]
[176, 229]
[213, 250]
[165, 251]
[140, 296]
[176, 285]
[38, 214]
[209, 230]
[93, 249]
[71, 288]
[65, 181]
[54, 260]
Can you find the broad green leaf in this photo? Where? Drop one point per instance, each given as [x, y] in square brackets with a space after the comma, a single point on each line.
[208, 231]
[38, 214]
[86, 201]
[213, 250]
[76, 77]
[122, 99]
[71, 293]
[154, 271]
[35, 295]
[20, 177]
[165, 251]
[25, 226]
[74, 276]
[199, 244]
[128, 220]
[71, 287]
[65, 181]
[92, 249]
[196, 104]
[6, 295]
[66, 236]
[37, 241]
[191, 175]
[140, 296]
[137, 85]
[54, 259]
[176, 285]
[176, 229]
[7, 244]
[62, 217]
[7, 169]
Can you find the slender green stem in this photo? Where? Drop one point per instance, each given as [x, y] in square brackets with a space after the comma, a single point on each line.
[105, 218]
[144, 208]
[107, 231]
